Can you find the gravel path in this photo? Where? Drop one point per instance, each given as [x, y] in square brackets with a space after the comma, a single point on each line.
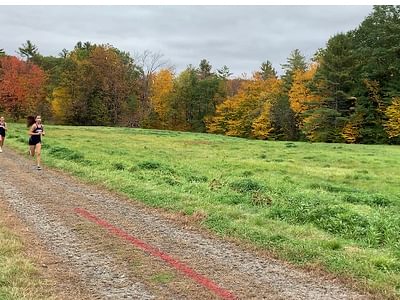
[110, 268]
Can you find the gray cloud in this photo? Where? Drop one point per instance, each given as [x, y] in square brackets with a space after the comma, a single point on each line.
[241, 37]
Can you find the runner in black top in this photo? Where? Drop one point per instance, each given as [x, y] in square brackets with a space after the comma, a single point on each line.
[36, 132]
[3, 129]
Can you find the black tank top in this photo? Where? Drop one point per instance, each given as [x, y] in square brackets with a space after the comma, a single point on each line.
[37, 138]
[2, 129]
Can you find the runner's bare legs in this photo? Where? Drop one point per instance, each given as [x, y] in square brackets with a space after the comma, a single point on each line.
[35, 150]
[38, 149]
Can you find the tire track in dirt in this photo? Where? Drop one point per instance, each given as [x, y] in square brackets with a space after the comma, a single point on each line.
[94, 253]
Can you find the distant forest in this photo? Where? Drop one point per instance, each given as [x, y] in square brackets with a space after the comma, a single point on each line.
[348, 92]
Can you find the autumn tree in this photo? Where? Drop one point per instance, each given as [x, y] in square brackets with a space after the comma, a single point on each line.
[247, 114]
[300, 96]
[160, 97]
[96, 86]
[302, 100]
[21, 87]
[392, 113]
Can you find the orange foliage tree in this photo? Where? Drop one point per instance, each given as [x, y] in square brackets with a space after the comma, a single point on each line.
[304, 102]
[300, 97]
[21, 86]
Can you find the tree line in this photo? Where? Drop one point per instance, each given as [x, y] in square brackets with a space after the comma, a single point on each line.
[348, 92]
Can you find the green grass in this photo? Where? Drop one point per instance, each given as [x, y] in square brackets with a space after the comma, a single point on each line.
[163, 278]
[329, 206]
[18, 275]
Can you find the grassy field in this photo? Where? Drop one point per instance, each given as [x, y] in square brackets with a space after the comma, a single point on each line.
[326, 206]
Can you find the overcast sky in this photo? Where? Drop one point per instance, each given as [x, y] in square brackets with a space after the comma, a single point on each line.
[241, 37]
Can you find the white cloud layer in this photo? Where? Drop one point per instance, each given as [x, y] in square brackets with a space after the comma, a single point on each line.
[241, 37]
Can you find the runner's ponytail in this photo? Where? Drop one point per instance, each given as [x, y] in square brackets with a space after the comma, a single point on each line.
[30, 120]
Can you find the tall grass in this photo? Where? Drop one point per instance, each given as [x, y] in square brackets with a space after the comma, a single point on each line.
[329, 206]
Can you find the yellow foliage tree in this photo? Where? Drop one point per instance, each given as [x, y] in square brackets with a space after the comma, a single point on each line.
[246, 113]
[392, 125]
[160, 94]
[306, 104]
[262, 126]
[60, 104]
[351, 131]
[300, 97]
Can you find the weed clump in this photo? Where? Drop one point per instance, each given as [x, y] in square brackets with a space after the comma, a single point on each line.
[66, 154]
[260, 199]
[149, 165]
[171, 181]
[290, 145]
[118, 166]
[216, 184]
[197, 178]
[368, 199]
[246, 185]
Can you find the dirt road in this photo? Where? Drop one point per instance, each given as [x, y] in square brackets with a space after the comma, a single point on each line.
[103, 246]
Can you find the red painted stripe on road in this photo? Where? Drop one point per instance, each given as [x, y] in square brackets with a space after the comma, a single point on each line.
[204, 281]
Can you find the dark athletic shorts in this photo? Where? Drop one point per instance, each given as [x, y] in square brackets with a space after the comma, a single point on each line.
[33, 142]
